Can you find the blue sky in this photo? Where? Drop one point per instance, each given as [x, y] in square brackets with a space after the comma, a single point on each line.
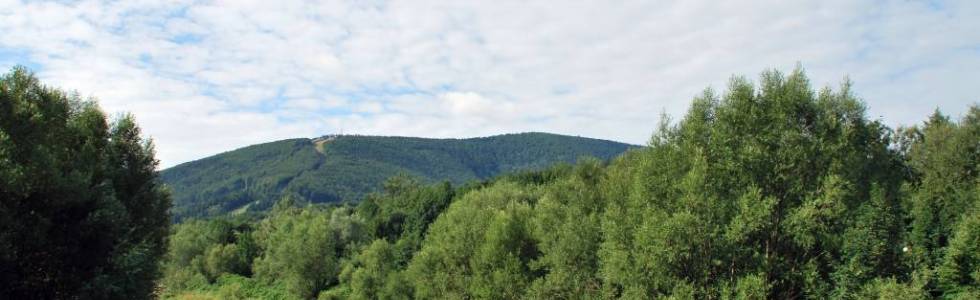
[203, 77]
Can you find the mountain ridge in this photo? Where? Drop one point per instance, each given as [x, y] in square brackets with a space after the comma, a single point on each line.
[337, 168]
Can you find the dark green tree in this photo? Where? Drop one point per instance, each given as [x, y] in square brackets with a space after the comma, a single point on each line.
[944, 160]
[959, 271]
[82, 214]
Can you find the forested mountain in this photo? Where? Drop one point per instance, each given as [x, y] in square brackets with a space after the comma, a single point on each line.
[767, 191]
[339, 168]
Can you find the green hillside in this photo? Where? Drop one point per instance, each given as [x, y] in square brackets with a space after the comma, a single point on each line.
[345, 168]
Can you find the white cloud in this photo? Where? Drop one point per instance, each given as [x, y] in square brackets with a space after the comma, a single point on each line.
[313, 104]
[470, 105]
[368, 107]
[206, 77]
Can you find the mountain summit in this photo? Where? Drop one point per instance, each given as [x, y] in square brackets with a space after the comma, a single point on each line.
[338, 168]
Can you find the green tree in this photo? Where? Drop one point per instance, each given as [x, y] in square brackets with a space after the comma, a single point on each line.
[759, 181]
[82, 211]
[480, 247]
[944, 160]
[186, 265]
[373, 271]
[302, 247]
[226, 259]
[567, 228]
[299, 251]
[889, 288]
[944, 156]
[959, 271]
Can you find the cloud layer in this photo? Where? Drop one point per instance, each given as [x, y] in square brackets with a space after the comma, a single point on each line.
[203, 77]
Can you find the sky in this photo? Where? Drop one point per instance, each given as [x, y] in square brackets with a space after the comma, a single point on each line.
[204, 77]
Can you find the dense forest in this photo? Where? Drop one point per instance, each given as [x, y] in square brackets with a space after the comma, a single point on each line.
[341, 168]
[767, 190]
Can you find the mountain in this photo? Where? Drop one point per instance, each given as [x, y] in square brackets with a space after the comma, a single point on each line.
[345, 168]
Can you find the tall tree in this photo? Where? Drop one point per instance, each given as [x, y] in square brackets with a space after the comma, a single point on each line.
[82, 214]
[944, 159]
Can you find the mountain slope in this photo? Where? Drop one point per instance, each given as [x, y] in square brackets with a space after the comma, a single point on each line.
[339, 168]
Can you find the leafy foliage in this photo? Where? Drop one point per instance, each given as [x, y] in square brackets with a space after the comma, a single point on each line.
[82, 212]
